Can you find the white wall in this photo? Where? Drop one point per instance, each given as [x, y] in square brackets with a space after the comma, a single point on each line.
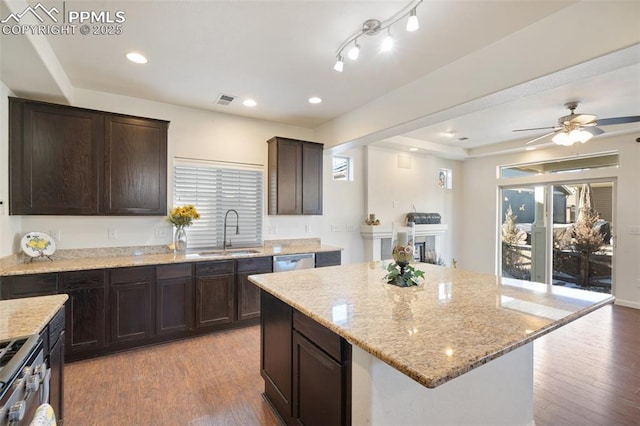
[10, 232]
[392, 191]
[479, 219]
[343, 212]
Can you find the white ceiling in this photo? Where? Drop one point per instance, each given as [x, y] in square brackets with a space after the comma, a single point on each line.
[282, 52]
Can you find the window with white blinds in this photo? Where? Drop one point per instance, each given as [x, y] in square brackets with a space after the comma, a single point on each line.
[214, 188]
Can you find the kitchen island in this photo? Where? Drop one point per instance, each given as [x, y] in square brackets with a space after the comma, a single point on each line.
[457, 349]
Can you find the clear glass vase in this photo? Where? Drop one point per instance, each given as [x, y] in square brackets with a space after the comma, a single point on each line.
[180, 240]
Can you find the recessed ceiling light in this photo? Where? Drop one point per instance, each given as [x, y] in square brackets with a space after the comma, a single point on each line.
[449, 133]
[249, 103]
[413, 149]
[314, 100]
[530, 148]
[136, 57]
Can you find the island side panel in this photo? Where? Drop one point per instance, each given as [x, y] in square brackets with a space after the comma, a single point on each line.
[276, 326]
[497, 393]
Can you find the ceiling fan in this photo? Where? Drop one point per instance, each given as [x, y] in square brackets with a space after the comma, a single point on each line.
[574, 127]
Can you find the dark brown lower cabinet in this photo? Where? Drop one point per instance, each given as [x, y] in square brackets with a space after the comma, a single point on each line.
[56, 386]
[328, 258]
[174, 299]
[53, 336]
[215, 293]
[306, 367]
[249, 293]
[132, 303]
[19, 286]
[85, 312]
[275, 353]
[317, 385]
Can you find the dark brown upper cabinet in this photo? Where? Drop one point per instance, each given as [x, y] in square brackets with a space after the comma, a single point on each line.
[135, 166]
[75, 161]
[295, 177]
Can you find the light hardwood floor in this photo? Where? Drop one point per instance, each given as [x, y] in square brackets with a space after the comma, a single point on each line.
[586, 373]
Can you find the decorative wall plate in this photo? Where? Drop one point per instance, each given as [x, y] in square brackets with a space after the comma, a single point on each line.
[36, 244]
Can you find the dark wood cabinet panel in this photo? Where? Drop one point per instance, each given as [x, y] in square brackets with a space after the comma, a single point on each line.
[295, 177]
[85, 312]
[318, 386]
[132, 299]
[249, 293]
[56, 385]
[56, 159]
[18, 286]
[276, 353]
[328, 258]
[53, 341]
[75, 161]
[215, 293]
[312, 178]
[306, 367]
[174, 305]
[135, 166]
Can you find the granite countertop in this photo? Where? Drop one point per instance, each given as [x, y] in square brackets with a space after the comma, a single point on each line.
[24, 317]
[110, 261]
[452, 322]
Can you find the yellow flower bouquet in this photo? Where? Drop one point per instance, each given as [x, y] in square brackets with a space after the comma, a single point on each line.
[182, 216]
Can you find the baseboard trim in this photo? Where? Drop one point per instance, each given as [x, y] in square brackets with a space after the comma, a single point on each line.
[627, 303]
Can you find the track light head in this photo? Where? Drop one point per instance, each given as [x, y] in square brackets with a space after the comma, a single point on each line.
[387, 42]
[339, 66]
[412, 22]
[354, 52]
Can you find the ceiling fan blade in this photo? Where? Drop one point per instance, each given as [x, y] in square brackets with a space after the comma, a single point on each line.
[541, 137]
[593, 130]
[536, 128]
[617, 120]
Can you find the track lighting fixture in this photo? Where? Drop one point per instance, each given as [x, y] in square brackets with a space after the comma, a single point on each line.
[372, 27]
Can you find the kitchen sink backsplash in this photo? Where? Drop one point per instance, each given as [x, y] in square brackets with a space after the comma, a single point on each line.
[66, 254]
[299, 242]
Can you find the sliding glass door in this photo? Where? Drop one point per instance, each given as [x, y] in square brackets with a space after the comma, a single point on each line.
[582, 238]
[558, 233]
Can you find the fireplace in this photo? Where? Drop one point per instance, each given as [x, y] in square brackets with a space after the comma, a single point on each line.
[429, 241]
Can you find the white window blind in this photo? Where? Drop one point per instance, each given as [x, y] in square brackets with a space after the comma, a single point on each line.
[214, 188]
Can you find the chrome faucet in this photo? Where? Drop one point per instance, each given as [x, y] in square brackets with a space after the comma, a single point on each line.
[224, 237]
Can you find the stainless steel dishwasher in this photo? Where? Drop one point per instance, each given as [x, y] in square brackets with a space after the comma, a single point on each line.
[291, 262]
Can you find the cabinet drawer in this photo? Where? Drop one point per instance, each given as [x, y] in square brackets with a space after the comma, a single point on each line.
[328, 258]
[324, 338]
[222, 267]
[132, 275]
[15, 287]
[255, 264]
[173, 271]
[83, 279]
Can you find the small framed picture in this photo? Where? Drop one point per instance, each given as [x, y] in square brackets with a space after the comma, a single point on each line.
[444, 178]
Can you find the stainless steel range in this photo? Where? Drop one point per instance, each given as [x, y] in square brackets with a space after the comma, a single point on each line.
[24, 379]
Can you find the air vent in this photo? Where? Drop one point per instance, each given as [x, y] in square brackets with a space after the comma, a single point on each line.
[464, 138]
[225, 99]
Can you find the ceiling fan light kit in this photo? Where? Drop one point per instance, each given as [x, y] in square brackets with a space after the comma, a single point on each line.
[372, 27]
[574, 128]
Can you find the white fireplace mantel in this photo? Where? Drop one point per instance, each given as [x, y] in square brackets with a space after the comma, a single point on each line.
[373, 235]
